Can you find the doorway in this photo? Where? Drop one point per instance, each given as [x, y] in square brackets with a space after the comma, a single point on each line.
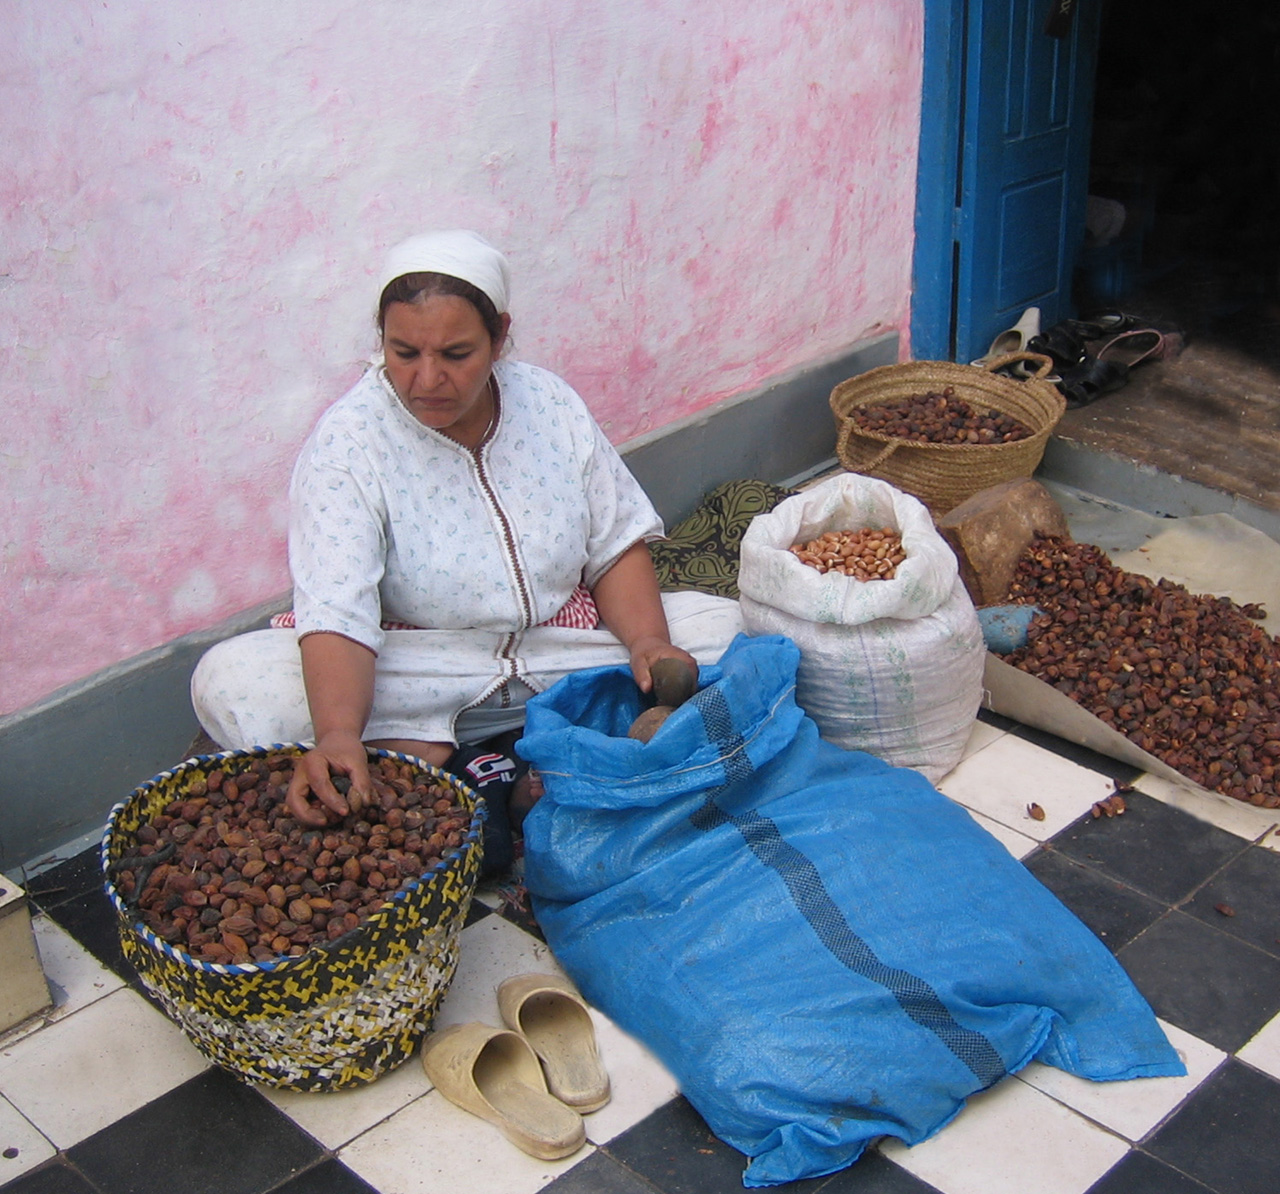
[1186, 153]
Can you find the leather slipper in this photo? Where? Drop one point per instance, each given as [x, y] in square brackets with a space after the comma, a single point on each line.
[494, 1073]
[1133, 347]
[553, 1018]
[1091, 379]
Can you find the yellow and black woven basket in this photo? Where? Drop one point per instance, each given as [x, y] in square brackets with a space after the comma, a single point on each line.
[340, 1014]
[944, 475]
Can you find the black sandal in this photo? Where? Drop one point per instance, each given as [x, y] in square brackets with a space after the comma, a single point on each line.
[1090, 380]
[1103, 324]
[1060, 344]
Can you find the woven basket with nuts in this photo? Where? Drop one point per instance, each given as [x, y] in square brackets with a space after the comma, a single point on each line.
[307, 959]
[940, 472]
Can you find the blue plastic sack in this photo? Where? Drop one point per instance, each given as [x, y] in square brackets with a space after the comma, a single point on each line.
[1004, 627]
[821, 948]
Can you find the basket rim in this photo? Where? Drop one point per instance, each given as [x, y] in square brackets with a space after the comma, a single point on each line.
[955, 372]
[880, 437]
[273, 965]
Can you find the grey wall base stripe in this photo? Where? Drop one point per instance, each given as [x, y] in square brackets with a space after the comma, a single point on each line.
[1141, 487]
[67, 760]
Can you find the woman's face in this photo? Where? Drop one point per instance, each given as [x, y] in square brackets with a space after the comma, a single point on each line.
[439, 357]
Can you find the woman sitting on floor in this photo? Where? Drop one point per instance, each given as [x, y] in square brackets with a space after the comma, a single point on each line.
[462, 535]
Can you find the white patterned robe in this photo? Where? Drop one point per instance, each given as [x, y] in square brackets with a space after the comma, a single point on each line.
[391, 521]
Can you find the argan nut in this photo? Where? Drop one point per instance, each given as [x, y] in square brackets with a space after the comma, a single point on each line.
[649, 722]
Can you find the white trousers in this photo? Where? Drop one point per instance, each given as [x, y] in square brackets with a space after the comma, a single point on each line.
[248, 690]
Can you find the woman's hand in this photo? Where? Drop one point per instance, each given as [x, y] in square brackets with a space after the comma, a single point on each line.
[647, 650]
[338, 675]
[338, 751]
[630, 605]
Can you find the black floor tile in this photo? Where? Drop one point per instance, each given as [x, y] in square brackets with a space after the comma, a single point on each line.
[91, 920]
[1113, 910]
[1122, 773]
[1158, 849]
[1225, 1135]
[211, 1135]
[997, 721]
[75, 877]
[1250, 887]
[1212, 984]
[329, 1177]
[56, 1177]
[875, 1174]
[674, 1150]
[599, 1174]
[1141, 1174]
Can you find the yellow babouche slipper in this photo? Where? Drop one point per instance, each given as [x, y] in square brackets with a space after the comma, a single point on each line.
[495, 1074]
[552, 1017]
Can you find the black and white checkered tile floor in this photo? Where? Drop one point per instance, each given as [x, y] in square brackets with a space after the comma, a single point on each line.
[105, 1094]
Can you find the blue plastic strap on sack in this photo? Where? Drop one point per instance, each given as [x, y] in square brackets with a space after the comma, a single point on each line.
[821, 948]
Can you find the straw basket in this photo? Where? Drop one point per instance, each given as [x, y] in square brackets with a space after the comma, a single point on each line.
[343, 1012]
[943, 475]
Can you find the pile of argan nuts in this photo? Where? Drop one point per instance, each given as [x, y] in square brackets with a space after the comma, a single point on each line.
[863, 555]
[939, 417]
[227, 874]
[1189, 679]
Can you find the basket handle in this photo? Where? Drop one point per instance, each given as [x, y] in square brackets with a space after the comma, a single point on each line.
[865, 466]
[1044, 367]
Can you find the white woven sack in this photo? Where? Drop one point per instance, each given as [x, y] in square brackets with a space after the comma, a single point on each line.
[891, 667]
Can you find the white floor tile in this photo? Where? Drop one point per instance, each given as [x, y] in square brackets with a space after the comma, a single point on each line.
[1133, 1108]
[490, 950]
[338, 1118]
[1263, 1052]
[21, 1146]
[90, 1069]
[1012, 1140]
[1018, 844]
[75, 976]
[494, 949]
[432, 1146]
[1002, 779]
[1244, 820]
[980, 737]
[639, 1081]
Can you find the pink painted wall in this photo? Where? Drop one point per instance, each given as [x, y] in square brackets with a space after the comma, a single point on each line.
[193, 198]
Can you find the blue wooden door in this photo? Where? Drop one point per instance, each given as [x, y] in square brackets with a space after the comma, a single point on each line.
[1004, 168]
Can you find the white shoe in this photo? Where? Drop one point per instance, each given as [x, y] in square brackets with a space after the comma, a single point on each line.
[1015, 339]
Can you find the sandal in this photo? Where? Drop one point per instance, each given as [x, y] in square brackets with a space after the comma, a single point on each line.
[495, 1074]
[1091, 379]
[1103, 324]
[1060, 344]
[1132, 348]
[552, 1017]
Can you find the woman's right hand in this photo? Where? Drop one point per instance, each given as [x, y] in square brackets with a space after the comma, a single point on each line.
[337, 751]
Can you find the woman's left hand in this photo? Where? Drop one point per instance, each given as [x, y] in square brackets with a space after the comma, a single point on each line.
[646, 651]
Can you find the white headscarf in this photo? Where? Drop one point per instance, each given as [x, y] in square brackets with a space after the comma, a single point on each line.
[460, 254]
